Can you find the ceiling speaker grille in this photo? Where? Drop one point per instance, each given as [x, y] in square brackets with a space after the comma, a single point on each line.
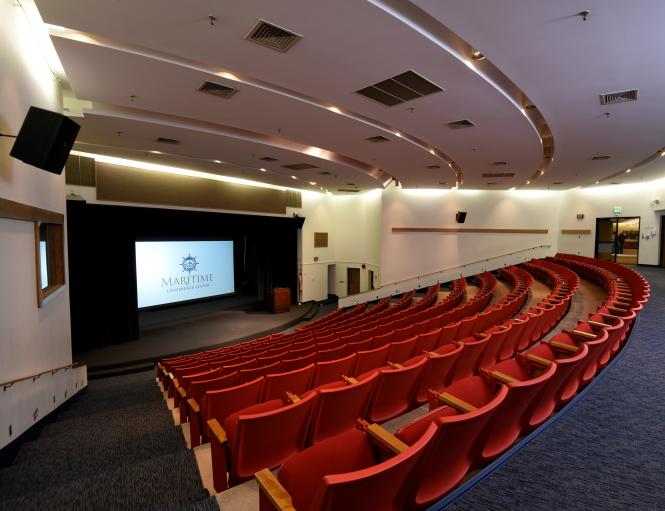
[377, 139]
[399, 89]
[217, 89]
[601, 157]
[163, 140]
[618, 97]
[300, 166]
[272, 36]
[462, 123]
[498, 174]
[268, 158]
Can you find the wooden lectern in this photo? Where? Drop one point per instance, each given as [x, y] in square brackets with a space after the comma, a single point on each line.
[280, 300]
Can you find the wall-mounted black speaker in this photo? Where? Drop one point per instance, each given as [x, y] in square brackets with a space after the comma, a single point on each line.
[460, 217]
[45, 140]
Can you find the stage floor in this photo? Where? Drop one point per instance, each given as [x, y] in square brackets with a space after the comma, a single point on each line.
[199, 332]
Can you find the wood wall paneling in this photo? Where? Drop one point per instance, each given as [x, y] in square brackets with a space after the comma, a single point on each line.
[469, 230]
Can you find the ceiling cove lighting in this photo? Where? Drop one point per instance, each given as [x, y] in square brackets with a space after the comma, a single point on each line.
[476, 55]
[178, 171]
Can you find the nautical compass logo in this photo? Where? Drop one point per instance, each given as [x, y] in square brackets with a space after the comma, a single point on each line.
[189, 263]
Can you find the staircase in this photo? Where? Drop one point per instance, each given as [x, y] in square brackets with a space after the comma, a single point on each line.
[112, 447]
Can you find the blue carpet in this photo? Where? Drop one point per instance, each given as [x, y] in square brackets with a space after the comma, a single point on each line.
[608, 451]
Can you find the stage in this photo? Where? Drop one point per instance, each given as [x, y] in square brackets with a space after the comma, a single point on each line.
[191, 328]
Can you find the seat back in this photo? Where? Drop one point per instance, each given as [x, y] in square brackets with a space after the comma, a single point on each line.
[452, 450]
[449, 332]
[327, 372]
[289, 364]
[467, 363]
[354, 347]
[394, 390]
[370, 359]
[509, 348]
[339, 406]
[219, 404]
[402, 350]
[296, 382]
[428, 341]
[331, 354]
[268, 439]
[437, 370]
[492, 351]
[198, 388]
[255, 372]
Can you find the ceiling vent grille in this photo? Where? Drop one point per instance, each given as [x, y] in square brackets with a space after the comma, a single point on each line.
[433, 166]
[268, 158]
[163, 140]
[601, 157]
[499, 163]
[300, 166]
[618, 97]
[399, 89]
[377, 139]
[498, 174]
[325, 173]
[347, 190]
[462, 123]
[272, 36]
[557, 183]
[217, 89]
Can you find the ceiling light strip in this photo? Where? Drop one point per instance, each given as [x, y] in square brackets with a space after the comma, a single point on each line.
[649, 159]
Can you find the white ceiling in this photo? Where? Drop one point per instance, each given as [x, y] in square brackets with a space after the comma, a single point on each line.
[161, 50]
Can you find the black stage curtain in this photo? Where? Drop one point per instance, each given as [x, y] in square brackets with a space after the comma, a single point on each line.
[102, 279]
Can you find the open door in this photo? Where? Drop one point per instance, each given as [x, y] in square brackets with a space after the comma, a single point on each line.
[618, 239]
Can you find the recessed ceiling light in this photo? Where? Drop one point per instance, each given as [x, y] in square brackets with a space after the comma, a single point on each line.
[597, 182]
[511, 189]
[155, 152]
[217, 161]
[398, 134]
[334, 109]
[313, 183]
[528, 182]
[294, 177]
[262, 170]
[432, 151]
[627, 171]
[663, 153]
[542, 172]
[476, 55]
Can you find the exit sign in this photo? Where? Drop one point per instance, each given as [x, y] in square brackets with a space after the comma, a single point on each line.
[617, 210]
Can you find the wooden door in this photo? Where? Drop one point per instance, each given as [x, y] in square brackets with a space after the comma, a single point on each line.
[353, 281]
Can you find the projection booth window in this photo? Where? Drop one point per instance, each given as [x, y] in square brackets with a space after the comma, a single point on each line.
[49, 259]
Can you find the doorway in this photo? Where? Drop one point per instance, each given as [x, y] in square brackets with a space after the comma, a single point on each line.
[370, 277]
[662, 241]
[618, 239]
[332, 281]
[353, 281]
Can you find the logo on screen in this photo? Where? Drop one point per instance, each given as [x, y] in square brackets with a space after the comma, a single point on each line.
[189, 263]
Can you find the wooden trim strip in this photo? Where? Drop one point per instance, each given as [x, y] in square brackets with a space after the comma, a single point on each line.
[36, 376]
[18, 211]
[470, 229]
[575, 231]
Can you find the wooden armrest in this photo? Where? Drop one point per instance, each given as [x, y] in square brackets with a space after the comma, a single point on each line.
[171, 375]
[538, 360]
[609, 316]
[502, 377]
[586, 335]
[217, 431]
[193, 405]
[182, 392]
[386, 439]
[599, 325]
[616, 309]
[564, 347]
[480, 336]
[455, 402]
[294, 398]
[349, 379]
[395, 366]
[623, 304]
[429, 353]
[273, 489]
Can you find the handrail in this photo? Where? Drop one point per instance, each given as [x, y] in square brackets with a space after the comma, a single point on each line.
[35, 377]
[463, 265]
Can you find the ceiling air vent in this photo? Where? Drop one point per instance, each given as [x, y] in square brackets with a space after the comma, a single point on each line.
[399, 88]
[272, 36]
[217, 89]
[499, 163]
[498, 174]
[492, 184]
[433, 166]
[618, 97]
[347, 190]
[601, 157]
[377, 139]
[163, 140]
[300, 166]
[462, 123]
[325, 173]
[268, 158]
[557, 183]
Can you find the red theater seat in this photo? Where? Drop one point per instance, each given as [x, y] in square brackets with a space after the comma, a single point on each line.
[297, 382]
[437, 370]
[327, 372]
[343, 473]
[255, 372]
[402, 350]
[370, 359]
[289, 364]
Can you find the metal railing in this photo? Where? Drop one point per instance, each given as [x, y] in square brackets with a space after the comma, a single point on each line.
[35, 377]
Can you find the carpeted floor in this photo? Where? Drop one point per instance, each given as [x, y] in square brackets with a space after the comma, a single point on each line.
[608, 451]
[113, 447]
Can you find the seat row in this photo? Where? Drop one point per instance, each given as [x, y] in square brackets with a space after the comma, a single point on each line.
[471, 421]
